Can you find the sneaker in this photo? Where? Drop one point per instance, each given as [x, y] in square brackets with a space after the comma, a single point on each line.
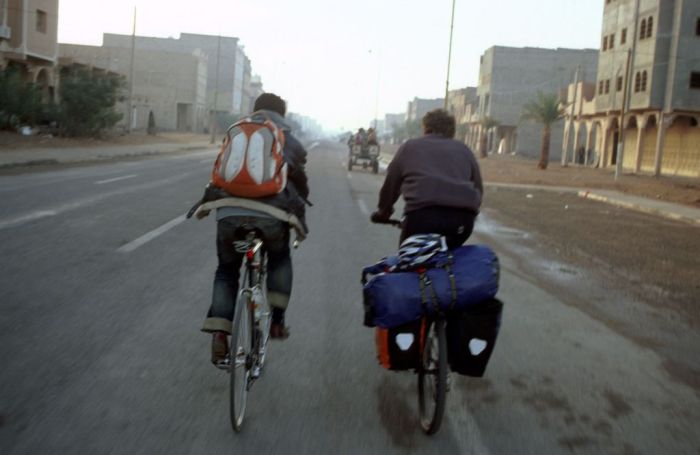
[219, 347]
[279, 331]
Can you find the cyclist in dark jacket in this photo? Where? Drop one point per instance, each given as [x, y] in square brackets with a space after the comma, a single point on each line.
[234, 222]
[440, 181]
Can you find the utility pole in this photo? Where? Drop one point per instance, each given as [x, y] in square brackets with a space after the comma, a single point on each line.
[213, 119]
[130, 106]
[621, 123]
[565, 152]
[449, 54]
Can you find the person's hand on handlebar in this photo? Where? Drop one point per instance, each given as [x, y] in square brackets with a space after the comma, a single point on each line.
[380, 218]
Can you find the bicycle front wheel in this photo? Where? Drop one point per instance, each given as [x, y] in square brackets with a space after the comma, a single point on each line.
[432, 377]
[241, 359]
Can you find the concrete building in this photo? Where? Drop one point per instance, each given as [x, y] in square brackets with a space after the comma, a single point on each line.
[256, 89]
[391, 121]
[228, 67]
[170, 85]
[28, 35]
[509, 78]
[660, 125]
[420, 106]
[462, 103]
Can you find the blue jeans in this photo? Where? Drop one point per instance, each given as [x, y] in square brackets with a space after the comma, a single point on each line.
[275, 235]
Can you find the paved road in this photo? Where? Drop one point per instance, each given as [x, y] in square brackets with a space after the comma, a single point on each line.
[104, 287]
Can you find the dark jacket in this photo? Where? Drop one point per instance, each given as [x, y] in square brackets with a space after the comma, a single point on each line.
[294, 197]
[432, 171]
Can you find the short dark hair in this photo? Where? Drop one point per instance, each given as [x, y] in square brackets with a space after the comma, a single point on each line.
[271, 102]
[441, 122]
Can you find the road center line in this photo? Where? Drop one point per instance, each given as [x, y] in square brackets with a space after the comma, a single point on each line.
[147, 237]
[116, 179]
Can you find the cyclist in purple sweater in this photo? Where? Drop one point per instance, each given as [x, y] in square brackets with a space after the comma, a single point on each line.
[440, 181]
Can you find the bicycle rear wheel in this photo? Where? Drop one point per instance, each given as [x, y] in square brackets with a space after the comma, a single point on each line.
[241, 359]
[432, 377]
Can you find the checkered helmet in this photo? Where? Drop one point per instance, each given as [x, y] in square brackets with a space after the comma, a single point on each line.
[418, 249]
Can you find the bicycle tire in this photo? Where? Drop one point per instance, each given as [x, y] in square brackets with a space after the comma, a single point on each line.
[433, 371]
[240, 362]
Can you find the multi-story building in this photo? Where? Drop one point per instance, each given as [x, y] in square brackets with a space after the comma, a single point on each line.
[652, 48]
[28, 41]
[228, 67]
[391, 122]
[461, 103]
[170, 86]
[509, 78]
[256, 89]
[420, 106]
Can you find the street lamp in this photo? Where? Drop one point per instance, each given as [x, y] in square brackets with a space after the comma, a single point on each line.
[449, 54]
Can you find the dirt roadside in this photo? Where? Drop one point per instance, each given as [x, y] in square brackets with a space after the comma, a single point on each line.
[13, 142]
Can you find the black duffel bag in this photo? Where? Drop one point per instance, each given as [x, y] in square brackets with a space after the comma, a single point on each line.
[471, 337]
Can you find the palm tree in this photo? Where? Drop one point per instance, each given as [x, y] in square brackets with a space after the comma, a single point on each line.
[546, 110]
[486, 124]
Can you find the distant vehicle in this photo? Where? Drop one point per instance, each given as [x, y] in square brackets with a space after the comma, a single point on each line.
[365, 155]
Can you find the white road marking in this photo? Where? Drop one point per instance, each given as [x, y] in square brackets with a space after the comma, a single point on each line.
[27, 218]
[116, 179]
[363, 207]
[314, 145]
[147, 237]
[349, 176]
[56, 210]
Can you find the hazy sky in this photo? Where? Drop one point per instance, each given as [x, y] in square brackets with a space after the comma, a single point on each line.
[330, 58]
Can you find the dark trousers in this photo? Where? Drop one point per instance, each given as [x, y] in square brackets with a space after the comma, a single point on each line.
[275, 235]
[453, 223]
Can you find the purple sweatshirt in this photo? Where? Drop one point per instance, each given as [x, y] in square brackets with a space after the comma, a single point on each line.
[432, 171]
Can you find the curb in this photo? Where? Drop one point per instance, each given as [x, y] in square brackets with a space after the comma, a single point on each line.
[639, 208]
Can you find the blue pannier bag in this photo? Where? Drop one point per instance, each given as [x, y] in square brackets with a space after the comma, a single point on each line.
[455, 280]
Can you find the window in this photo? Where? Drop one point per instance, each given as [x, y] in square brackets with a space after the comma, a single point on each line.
[650, 27]
[601, 84]
[637, 82]
[607, 86]
[605, 43]
[611, 41]
[623, 36]
[695, 79]
[41, 21]
[643, 29]
[697, 27]
[644, 81]
[619, 83]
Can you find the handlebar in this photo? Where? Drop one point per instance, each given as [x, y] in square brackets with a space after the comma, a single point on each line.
[391, 222]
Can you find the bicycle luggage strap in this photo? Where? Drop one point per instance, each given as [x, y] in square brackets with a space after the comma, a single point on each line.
[204, 209]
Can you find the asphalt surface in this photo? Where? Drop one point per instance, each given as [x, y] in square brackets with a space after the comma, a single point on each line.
[104, 287]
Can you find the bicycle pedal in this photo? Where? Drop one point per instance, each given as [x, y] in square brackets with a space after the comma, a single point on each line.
[223, 364]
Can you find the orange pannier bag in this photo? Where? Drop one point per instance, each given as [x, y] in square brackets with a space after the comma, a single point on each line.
[251, 162]
[400, 348]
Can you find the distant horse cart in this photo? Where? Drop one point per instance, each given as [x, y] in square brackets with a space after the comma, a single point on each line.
[365, 155]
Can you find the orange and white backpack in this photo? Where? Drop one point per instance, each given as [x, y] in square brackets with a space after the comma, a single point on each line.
[250, 163]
